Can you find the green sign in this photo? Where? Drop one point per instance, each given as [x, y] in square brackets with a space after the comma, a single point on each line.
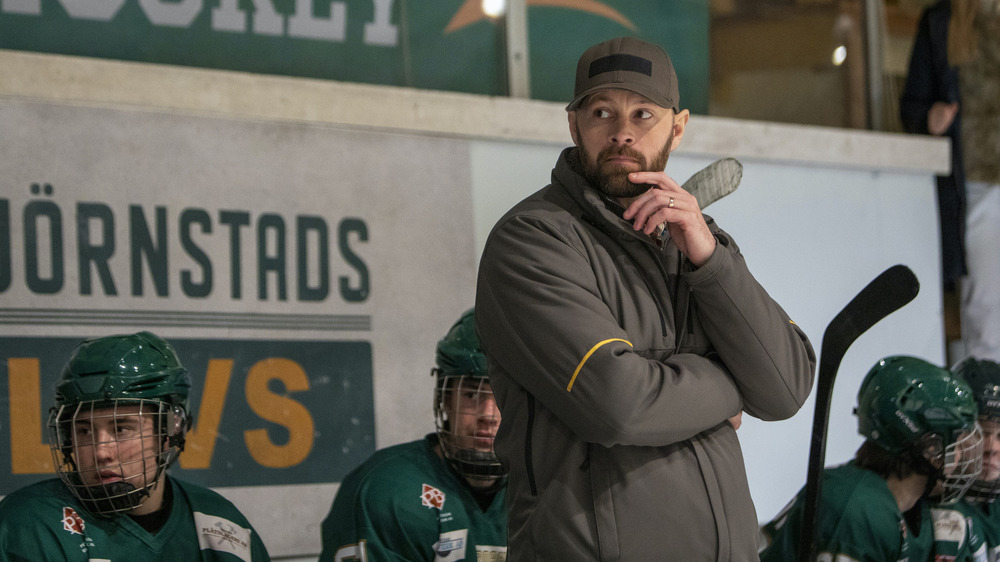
[265, 412]
[429, 44]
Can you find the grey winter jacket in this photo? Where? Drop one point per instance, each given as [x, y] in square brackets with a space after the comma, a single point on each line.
[616, 365]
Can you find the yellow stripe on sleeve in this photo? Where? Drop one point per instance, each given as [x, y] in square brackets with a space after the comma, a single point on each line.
[572, 379]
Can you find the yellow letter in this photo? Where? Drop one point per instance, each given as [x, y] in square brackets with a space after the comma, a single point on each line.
[200, 441]
[28, 452]
[280, 410]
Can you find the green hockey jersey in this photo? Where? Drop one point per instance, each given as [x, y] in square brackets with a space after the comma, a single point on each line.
[858, 519]
[406, 503]
[987, 518]
[983, 521]
[44, 522]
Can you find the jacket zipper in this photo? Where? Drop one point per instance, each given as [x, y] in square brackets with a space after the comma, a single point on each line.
[686, 324]
[528, 466]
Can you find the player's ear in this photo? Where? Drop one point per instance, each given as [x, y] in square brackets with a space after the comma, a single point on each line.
[680, 124]
[571, 115]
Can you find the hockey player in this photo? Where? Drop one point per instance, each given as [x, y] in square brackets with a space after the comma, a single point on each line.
[438, 498]
[969, 530]
[919, 422]
[119, 419]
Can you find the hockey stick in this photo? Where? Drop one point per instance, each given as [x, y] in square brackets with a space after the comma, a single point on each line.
[715, 181]
[887, 293]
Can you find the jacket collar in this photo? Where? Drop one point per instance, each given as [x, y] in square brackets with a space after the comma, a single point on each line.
[596, 206]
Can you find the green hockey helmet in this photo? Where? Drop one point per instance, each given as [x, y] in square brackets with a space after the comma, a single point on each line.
[983, 376]
[124, 367]
[123, 393]
[465, 412]
[458, 352]
[909, 406]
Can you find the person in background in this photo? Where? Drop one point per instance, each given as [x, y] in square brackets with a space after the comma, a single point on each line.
[970, 529]
[118, 422]
[438, 498]
[952, 89]
[920, 430]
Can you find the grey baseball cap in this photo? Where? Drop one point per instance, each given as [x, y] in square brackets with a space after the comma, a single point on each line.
[627, 63]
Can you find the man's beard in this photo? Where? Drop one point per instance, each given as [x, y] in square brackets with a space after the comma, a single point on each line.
[612, 179]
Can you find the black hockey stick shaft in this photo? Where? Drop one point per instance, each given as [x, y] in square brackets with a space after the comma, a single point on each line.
[888, 292]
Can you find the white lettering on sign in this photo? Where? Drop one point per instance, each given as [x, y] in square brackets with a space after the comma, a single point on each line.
[261, 19]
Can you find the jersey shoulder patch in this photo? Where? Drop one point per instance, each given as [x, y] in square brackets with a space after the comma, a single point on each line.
[217, 533]
[949, 525]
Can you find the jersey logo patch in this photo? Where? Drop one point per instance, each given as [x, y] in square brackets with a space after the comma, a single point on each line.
[949, 526]
[216, 533]
[451, 546]
[432, 497]
[72, 522]
[485, 553]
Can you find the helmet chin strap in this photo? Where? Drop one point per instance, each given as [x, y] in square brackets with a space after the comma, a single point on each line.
[983, 491]
[923, 466]
[114, 498]
[476, 465]
[932, 482]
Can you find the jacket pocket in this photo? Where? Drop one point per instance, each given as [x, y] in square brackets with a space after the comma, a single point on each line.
[604, 502]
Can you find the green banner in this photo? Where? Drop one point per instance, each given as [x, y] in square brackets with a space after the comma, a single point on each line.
[430, 44]
[265, 412]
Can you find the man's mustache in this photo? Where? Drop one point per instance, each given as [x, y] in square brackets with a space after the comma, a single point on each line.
[613, 151]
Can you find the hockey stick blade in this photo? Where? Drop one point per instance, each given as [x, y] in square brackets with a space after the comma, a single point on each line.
[715, 181]
[888, 292]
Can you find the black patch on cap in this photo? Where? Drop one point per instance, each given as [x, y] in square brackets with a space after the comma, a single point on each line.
[631, 63]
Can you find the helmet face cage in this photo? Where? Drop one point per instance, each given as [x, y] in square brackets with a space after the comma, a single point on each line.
[466, 418]
[983, 376]
[962, 463]
[986, 488]
[111, 454]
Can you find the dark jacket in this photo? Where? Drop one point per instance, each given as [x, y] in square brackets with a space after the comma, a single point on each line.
[616, 364]
[930, 79]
